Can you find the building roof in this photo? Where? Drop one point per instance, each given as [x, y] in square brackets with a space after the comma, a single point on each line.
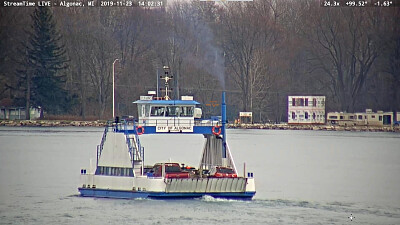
[167, 102]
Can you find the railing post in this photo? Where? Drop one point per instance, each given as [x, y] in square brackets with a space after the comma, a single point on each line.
[97, 160]
[142, 153]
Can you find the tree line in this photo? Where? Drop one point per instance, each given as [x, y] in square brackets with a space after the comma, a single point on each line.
[258, 52]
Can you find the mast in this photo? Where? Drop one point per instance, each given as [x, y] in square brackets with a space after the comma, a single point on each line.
[166, 85]
[223, 114]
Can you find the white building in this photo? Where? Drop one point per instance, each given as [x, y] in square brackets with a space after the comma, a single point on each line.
[368, 118]
[18, 113]
[306, 109]
[341, 118]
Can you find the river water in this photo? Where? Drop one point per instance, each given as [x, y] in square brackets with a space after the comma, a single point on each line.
[302, 177]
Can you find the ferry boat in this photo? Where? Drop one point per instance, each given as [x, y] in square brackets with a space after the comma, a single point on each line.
[120, 170]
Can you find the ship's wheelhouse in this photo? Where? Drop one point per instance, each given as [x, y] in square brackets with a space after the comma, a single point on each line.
[167, 112]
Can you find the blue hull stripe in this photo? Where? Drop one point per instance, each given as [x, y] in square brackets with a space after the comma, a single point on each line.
[106, 193]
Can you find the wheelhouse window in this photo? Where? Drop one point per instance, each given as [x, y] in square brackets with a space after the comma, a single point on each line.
[172, 111]
[180, 111]
[157, 111]
[186, 111]
[143, 110]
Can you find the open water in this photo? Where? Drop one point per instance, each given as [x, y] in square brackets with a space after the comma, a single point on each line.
[302, 177]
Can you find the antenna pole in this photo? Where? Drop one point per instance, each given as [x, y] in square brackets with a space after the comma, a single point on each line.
[158, 78]
[113, 97]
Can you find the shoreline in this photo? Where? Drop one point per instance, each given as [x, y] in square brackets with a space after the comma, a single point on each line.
[102, 123]
[52, 123]
[316, 127]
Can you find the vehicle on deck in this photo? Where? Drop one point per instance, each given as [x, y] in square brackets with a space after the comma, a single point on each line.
[220, 171]
[172, 170]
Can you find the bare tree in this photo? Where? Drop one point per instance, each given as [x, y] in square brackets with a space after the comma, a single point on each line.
[343, 47]
[390, 59]
[249, 38]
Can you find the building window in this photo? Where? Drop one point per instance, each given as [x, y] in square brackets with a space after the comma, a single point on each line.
[293, 101]
[302, 102]
[293, 115]
[360, 117]
[351, 117]
[306, 115]
[313, 116]
[306, 102]
[341, 117]
[372, 116]
[298, 102]
[380, 118]
[314, 102]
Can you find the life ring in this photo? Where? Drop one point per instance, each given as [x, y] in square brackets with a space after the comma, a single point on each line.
[141, 130]
[216, 132]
